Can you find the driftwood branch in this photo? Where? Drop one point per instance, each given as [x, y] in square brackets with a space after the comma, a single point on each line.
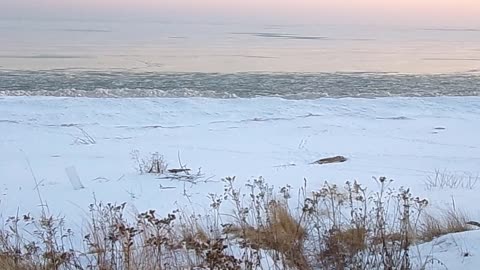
[336, 159]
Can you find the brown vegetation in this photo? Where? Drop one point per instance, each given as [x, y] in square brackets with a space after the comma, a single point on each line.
[333, 227]
[450, 220]
[282, 234]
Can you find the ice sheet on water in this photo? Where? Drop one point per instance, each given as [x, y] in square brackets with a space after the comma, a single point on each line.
[245, 85]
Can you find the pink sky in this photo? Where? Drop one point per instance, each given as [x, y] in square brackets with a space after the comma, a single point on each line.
[457, 12]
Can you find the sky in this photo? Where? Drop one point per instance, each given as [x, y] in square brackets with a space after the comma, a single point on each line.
[422, 12]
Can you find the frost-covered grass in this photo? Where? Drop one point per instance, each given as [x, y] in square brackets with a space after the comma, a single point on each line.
[445, 179]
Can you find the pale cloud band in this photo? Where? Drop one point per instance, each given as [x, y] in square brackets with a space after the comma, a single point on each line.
[439, 12]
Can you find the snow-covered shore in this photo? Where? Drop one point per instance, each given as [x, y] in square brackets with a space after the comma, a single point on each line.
[405, 139]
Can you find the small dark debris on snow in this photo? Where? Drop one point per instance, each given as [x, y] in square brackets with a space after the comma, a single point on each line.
[474, 223]
[178, 170]
[336, 159]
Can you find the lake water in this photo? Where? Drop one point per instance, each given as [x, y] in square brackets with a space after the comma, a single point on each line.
[72, 58]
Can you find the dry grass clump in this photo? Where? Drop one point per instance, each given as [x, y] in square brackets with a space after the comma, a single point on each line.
[350, 228]
[341, 243]
[332, 227]
[154, 163]
[335, 227]
[152, 242]
[280, 233]
[114, 241]
[9, 263]
[449, 220]
[28, 243]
